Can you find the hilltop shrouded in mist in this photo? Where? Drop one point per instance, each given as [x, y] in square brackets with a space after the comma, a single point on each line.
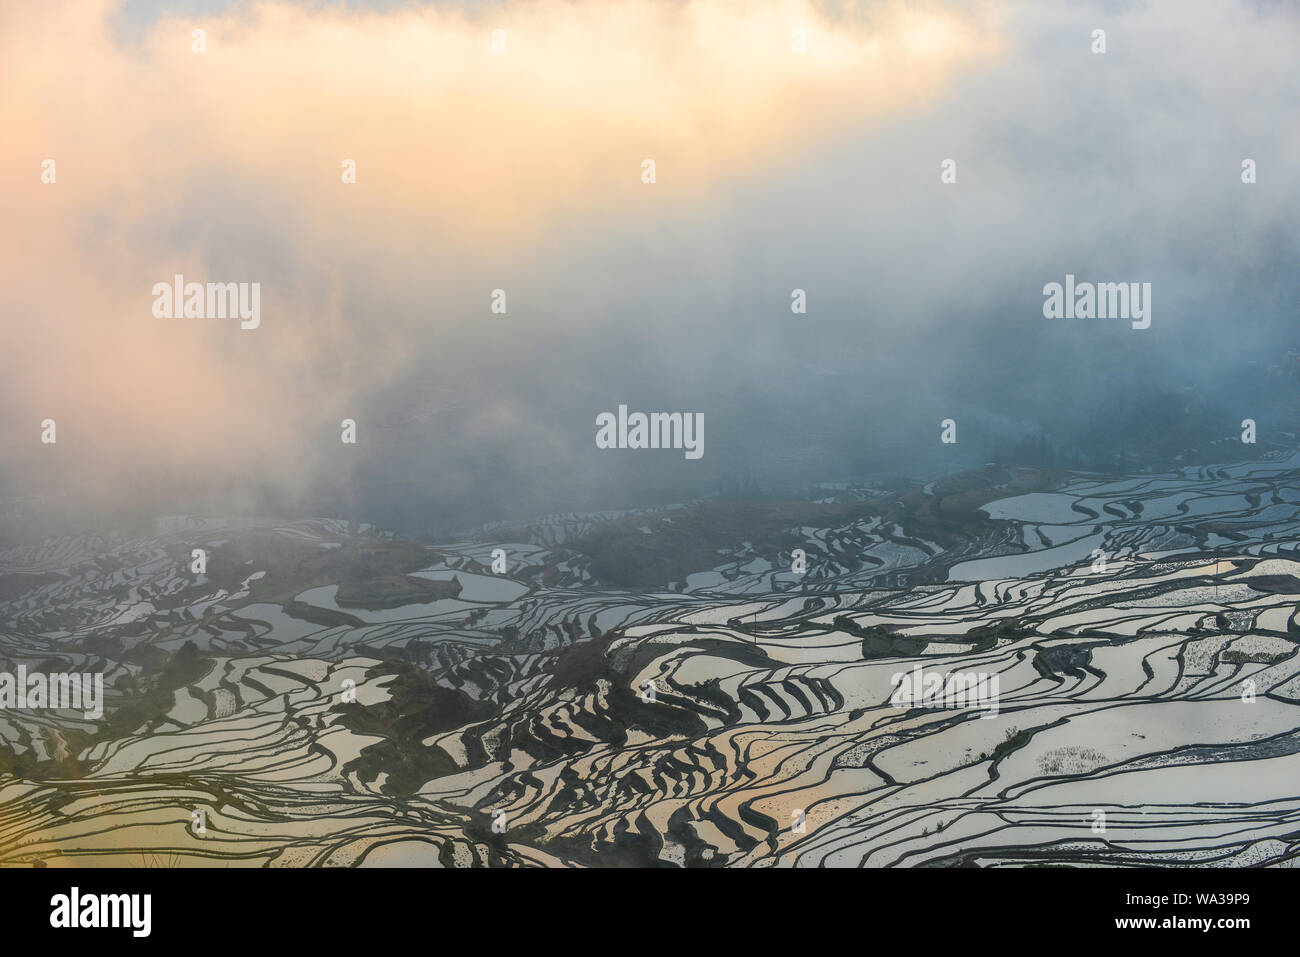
[521, 170]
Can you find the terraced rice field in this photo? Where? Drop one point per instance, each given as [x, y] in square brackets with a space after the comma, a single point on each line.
[282, 710]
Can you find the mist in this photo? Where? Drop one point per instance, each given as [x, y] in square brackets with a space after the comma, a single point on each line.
[522, 172]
